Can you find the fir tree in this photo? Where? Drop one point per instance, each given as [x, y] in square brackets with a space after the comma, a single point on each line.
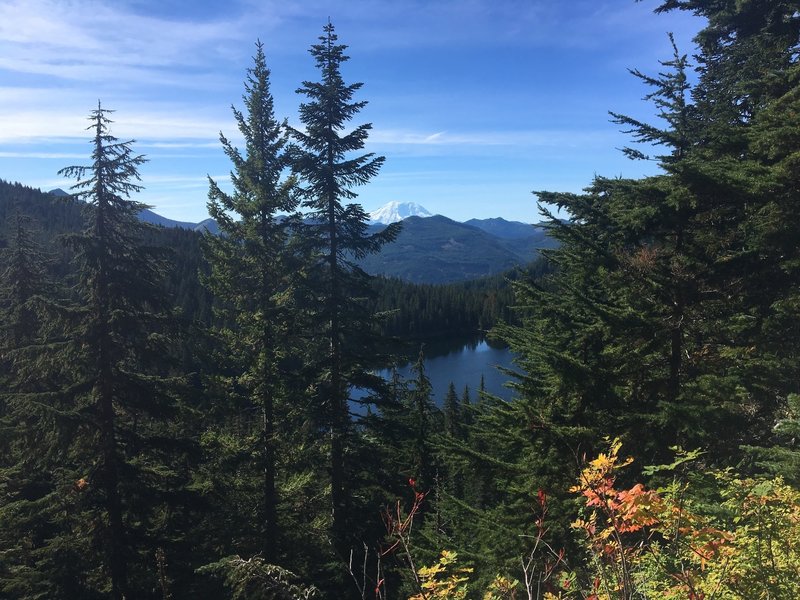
[250, 274]
[656, 317]
[22, 288]
[103, 419]
[632, 265]
[451, 409]
[422, 416]
[336, 234]
[749, 94]
[659, 319]
[112, 267]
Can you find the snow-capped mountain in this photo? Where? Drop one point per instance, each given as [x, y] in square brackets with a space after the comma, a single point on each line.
[397, 211]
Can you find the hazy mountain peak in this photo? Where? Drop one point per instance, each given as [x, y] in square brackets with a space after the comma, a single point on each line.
[397, 211]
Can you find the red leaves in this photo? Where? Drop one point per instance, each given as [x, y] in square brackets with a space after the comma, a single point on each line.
[624, 511]
[398, 526]
[540, 519]
[611, 515]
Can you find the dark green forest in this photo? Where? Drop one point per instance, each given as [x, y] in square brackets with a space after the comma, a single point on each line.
[177, 410]
[411, 312]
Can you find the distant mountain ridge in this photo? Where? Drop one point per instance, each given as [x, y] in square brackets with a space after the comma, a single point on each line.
[148, 216]
[430, 248]
[439, 250]
[510, 230]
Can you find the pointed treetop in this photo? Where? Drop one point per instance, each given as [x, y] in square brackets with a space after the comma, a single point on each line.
[114, 168]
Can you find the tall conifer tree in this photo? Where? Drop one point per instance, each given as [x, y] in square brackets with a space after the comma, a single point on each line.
[23, 282]
[421, 415]
[100, 420]
[336, 232]
[667, 317]
[749, 95]
[250, 274]
[451, 410]
[662, 328]
[112, 268]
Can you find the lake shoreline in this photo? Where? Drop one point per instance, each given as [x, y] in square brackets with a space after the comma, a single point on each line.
[463, 361]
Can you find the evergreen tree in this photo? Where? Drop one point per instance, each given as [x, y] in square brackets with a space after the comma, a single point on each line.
[336, 234]
[466, 406]
[109, 271]
[23, 279]
[104, 418]
[749, 95]
[23, 284]
[656, 324]
[453, 470]
[781, 456]
[423, 425]
[250, 274]
[605, 345]
[451, 410]
[648, 321]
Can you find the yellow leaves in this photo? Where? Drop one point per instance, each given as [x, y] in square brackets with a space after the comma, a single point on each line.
[588, 525]
[443, 580]
[599, 472]
[622, 511]
[660, 546]
[448, 557]
[668, 545]
[501, 588]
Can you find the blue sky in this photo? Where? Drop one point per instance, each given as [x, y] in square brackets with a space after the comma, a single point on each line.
[474, 103]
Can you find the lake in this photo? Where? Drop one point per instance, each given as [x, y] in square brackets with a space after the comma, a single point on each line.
[463, 362]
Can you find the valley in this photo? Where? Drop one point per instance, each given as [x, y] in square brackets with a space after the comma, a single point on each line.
[432, 248]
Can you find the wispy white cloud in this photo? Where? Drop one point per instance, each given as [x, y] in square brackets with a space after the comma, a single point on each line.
[482, 23]
[26, 126]
[90, 40]
[152, 127]
[171, 179]
[178, 145]
[529, 138]
[156, 128]
[433, 138]
[42, 155]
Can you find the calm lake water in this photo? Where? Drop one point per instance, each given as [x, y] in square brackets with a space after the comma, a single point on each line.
[462, 362]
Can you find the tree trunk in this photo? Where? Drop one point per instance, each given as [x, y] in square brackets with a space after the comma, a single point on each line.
[270, 542]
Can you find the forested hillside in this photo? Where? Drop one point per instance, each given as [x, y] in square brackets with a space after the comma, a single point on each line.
[411, 311]
[189, 416]
[436, 249]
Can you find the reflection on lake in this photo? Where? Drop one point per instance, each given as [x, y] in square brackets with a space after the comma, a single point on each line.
[463, 362]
